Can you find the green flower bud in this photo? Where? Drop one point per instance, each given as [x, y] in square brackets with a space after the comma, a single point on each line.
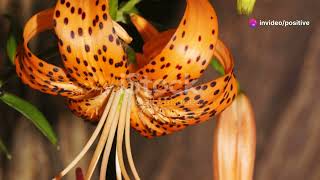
[245, 6]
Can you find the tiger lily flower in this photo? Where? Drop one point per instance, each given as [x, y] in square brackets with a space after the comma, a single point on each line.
[155, 99]
[235, 141]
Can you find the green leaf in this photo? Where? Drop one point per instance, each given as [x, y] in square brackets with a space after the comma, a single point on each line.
[4, 150]
[113, 8]
[32, 113]
[217, 66]
[11, 47]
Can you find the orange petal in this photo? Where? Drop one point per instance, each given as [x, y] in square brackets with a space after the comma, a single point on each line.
[89, 45]
[189, 51]
[192, 106]
[90, 108]
[37, 73]
[143, 123]
[146, 29]
[152, 49]
[150, 35]
[141, 60]
[235, 142]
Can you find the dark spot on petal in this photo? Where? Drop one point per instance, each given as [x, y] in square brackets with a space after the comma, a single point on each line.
[90, 31]
[101, 25]
[105, 16]
[69, 49]
[103, 7]
[66, 21]
[57, 13]
[87, 48]
[110, 61]
[79, 11]
[104, 48]
[197, 97]
[72, 34]
[110, 38]
[83, 16]
[80, 31]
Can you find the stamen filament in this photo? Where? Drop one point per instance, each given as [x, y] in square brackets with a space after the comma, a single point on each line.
[90, 141]
[120, 134]
[115, 119]
[118, 170]
[108, 146]
[104, 136]
[127, 139]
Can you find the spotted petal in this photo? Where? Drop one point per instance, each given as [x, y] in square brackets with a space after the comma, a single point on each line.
[165, 115]
[90, 48]
[187, 54]
[90, 108]
[37, 73]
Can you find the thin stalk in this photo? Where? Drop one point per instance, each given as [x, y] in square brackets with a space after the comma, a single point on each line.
[118, 169]
[91, 140]
[127, 139]
[108, 146]
[103, 138]
[120, 133]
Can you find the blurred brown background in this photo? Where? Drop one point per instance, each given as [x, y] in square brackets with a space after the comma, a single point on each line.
[278, 68]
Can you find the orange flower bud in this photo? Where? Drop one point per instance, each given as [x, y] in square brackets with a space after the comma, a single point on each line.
[235, 142]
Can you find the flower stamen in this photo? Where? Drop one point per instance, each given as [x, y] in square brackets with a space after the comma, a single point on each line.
[91, 140]
[107, 135]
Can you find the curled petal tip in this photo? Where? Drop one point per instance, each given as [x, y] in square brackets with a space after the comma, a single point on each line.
[146, 29]
[235, 142]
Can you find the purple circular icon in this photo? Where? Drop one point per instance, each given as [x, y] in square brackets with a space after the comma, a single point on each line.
[253, 22]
